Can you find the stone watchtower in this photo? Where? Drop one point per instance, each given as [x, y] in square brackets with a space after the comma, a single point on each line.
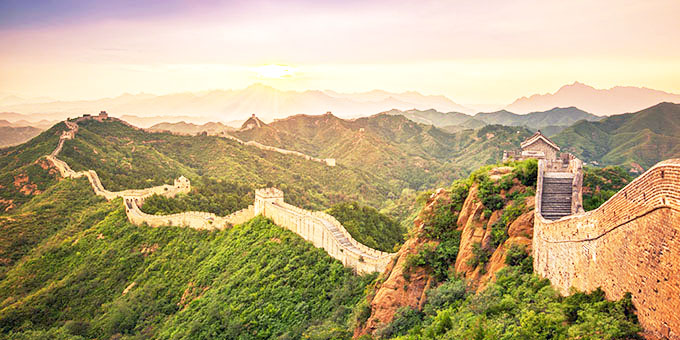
[182, 184]
[539, 146]
[267, 195]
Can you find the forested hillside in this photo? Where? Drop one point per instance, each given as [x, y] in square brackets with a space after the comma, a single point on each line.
[549, 122]
[89, 273]
[399, 151]
[635, 141]
[125, 157]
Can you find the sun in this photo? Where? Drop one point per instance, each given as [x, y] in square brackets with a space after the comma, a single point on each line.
[275, 71]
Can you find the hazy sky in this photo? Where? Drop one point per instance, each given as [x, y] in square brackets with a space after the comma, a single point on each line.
[477, 51]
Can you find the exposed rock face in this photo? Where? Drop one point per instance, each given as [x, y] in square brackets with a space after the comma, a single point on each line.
[397, 291]
[475, 228]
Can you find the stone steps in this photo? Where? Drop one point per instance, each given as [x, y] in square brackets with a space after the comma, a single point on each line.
[556, 196]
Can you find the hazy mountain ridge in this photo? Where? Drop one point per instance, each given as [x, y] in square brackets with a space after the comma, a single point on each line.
[11, 135]
[615, 100]
[182, 127]
[224, 105]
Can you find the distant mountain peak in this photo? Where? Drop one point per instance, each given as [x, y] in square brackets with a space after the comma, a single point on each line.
[615, 100]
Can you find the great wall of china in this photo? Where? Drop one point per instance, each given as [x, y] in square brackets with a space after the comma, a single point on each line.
[631, 243]
[319, 228]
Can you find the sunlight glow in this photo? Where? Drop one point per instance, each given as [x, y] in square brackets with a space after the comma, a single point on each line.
[275, 71]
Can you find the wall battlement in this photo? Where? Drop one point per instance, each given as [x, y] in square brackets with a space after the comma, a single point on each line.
[322, 230]
[629, 244]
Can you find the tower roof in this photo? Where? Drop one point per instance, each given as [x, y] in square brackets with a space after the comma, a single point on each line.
[536, 137]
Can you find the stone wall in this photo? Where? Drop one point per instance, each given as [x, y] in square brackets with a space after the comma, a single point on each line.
[322, 230]
[190, 219]
[327, 161]
[629, 244]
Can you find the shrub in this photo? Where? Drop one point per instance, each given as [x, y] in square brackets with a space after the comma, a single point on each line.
[450, 294]
[404, 319]
[480, 256]
[517, 255]
[526, 172]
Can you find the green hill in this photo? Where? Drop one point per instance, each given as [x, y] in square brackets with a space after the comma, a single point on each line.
[22, 173]
[397, 150]
[635, 141]
[91, 274]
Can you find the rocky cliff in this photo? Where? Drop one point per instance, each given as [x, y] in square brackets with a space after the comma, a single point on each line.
[463, 231]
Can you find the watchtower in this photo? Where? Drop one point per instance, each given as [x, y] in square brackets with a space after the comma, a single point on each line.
[266, 195]
[183, 184]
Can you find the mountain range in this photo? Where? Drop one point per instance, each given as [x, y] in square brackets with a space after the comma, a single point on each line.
[225, 105]
[616, 100]
[270, 103]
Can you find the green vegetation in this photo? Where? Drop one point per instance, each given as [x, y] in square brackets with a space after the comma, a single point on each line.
[395, 149]
[62, 205]
[218, 197]
[518, 305]
[599, 184]
[21, 171]
[369, 226]
[98, 276]
[635, 141]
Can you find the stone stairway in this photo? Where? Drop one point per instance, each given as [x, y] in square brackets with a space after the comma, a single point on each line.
[556, 198]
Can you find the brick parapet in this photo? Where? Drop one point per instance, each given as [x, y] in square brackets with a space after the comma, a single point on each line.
[631, 243]
[317, 227]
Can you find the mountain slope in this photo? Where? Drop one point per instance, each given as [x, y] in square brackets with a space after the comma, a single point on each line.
[633, 140]
[439, 119]
[396, 149]
[10, 135]
[125, 157]
[615, 100]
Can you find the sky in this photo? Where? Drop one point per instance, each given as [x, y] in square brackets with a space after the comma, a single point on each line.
[474, 52]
